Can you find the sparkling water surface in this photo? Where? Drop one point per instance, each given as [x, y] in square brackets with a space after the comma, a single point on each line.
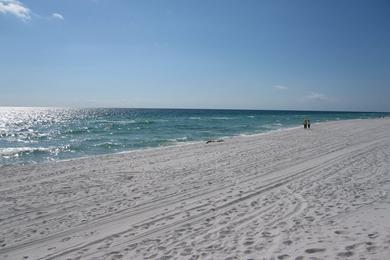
[34, 135]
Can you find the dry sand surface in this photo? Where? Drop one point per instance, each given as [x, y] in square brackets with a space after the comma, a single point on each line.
[321, 193]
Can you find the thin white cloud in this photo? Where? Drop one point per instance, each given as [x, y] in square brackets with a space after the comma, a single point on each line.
[315, 96]
[15, 8]
[280, 87]
[57, 16]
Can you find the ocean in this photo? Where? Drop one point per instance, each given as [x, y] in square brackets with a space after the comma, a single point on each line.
[38, 135]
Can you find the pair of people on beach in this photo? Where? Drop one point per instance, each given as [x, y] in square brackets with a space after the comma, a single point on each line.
[306, 123]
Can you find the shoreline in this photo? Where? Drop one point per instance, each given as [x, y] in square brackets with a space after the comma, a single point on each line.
[186, 143]
[322, 192]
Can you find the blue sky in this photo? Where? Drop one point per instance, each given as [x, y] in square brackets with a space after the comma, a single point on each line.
[316, 55]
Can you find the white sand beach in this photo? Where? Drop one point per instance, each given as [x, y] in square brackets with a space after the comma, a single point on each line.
[321, 193]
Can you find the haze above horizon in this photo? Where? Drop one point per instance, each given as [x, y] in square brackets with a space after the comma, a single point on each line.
[283, 55]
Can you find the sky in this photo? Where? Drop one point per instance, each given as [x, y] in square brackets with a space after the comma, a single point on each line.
[242, 54]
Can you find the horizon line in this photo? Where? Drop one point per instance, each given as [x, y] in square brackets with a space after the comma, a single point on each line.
[192, 108]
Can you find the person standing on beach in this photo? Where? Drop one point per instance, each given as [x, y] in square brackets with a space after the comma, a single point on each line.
[305, 124]
[308, 123]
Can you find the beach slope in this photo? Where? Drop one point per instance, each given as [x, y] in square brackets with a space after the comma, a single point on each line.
[291, 194]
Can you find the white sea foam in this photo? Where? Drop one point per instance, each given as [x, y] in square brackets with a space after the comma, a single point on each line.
[9, 151]
[221, 118]
[179, 139]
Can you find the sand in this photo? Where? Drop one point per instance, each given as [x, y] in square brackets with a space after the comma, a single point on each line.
[321, 193]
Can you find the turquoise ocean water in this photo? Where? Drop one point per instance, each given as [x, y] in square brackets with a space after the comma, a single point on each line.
[35, 135]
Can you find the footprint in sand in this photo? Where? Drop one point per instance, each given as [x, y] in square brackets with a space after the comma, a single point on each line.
[65, 239]
[248, 243]
[348, 248]
[165, 257]
[187, 251]
[247, 251]
[119, 256]
[314, 250]
[345, 254]
[373, 235]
